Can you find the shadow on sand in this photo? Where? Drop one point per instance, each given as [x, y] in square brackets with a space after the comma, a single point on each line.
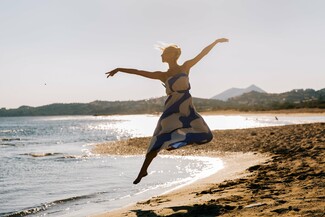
[196, 210]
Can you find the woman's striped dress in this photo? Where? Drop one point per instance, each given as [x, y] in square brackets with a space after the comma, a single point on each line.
[179, 124]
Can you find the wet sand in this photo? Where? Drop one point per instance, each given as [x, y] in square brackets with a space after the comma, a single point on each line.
[289, 182]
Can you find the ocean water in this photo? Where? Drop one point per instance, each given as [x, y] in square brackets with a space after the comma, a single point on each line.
[47, 168]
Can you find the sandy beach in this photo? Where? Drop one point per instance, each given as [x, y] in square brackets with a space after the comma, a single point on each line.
[268, 171]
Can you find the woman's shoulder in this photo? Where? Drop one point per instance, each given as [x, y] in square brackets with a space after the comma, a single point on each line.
[180, 69]
[184, 69]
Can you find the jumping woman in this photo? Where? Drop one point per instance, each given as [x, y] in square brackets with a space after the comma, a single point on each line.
[179, 124]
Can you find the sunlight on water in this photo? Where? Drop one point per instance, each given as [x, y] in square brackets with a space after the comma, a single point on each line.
[135, 125]
[144, 125]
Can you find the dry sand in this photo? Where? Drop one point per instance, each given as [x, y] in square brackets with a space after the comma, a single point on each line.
[289, 183]
[282, 112]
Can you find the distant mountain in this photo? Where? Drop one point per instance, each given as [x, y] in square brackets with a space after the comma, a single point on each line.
[233, 92]
[297, 98]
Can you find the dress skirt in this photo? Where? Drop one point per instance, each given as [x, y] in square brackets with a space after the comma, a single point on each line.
[180, 124]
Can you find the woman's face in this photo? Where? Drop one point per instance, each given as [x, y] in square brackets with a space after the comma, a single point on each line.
[168, 55]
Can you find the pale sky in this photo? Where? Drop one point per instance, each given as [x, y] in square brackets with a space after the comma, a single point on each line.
[57, 51]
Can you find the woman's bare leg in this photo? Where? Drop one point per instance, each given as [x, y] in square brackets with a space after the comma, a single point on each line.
[143, 172]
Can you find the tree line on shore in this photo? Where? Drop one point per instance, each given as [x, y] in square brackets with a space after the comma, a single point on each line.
[252, 101]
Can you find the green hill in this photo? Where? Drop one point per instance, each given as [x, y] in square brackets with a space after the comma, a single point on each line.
[294, 99]
[252, 101]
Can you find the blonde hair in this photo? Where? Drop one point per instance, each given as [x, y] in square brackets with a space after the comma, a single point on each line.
[172, 48]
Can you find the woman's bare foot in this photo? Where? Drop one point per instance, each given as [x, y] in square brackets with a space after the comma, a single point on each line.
[143, 171]
[139, 178]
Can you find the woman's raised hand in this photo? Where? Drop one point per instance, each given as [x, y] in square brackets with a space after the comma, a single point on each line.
[221, 40]
[112, 73]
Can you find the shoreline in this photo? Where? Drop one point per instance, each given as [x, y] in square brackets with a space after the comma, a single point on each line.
[302, 111]
[289, 182]
[231, 170]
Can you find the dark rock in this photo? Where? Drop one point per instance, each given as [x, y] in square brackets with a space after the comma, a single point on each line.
[320, 174]
[253, 168]
[280, 201]
[266, 196]
[280, 210]
[256, 186]
[302, 177]
[281, 151]
[288, 180]
[242, 180]
[205, 192]
[228, 207]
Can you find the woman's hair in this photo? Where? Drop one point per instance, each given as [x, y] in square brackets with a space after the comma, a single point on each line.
[171, 48]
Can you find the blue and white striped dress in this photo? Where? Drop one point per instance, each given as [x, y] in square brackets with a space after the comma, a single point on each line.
[179, 124]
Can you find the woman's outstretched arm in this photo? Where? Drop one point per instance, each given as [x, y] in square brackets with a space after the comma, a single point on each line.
[153, 75]
[190, 63]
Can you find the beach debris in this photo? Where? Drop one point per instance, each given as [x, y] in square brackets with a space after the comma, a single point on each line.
[8, 144]
[41, 154]
[60, 155]
[255, 205]
[10, 139]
